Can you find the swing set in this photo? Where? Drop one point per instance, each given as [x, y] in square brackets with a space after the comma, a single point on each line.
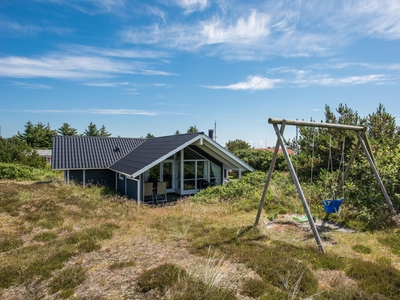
[330, 205]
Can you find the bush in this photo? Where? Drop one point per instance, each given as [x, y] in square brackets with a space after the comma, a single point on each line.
[13, 150]
[9, 242]
[45, 236]
[161, 278]
[362, 249]
[244, 194]
[16, 171]
[67, 279]
[376, 278]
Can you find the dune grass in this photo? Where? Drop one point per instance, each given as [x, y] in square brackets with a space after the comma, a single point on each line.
[59, 241]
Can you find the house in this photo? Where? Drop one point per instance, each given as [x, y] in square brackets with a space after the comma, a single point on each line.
[186, 162]
[46, 154]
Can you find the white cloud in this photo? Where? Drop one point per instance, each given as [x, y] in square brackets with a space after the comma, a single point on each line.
[349, 80]
[93, 111]
[120, 53]
[65, 66]
[306, 79]
[34, 86]
[106, 84]
[378, 18]
[192, 5]
[257, 30]
[92, 6]
[253, 83]
[13, 27]
[256, 26]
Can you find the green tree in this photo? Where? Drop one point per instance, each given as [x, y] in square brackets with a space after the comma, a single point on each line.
[364, 200]
[103, 131]
[91, 130]
[150, 136]
[382, 127]
[15, 150]
[192, 129]
[260, 160]
[237, 145]
[66, 129]
[177, 132]
[37, 136]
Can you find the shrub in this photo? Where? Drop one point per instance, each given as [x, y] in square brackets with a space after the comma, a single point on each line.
[67, 279]
[9, 275]
[392, 241]
[161, 278]
[362, 249]
[16, 171]
[375, 278]
[9, 242]
[89, 245]
[244, 194]
[45, 236]
[121, 265]
[254, 288]
[44, 266]
[189, 289]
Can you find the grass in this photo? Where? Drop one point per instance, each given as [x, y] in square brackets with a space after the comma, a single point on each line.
[59, 241]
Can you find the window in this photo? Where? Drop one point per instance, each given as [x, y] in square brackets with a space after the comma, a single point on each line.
[215, 174]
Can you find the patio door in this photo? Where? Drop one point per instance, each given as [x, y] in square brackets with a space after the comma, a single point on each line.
[167, 174]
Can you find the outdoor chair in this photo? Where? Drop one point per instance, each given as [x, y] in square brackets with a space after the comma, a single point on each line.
[161, 194]
[148, 193]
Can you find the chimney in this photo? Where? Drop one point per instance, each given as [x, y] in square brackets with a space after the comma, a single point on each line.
[211, 133]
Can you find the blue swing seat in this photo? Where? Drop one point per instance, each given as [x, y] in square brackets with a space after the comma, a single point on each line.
[332, 206]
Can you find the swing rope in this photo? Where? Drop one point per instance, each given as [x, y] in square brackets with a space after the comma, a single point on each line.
[333, 205]
[312, 160]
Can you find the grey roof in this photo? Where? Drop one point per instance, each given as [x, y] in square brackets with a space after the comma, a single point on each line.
[132, 156]
[86, 152]
[152, 151]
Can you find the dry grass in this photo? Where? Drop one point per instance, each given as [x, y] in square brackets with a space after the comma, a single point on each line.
[97, 247]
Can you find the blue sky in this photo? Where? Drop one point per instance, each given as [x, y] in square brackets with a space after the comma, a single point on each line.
[155, 67]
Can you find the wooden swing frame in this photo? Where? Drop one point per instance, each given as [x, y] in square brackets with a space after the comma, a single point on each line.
[363, 142]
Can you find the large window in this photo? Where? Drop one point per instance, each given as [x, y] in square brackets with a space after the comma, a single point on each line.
[189, 172]
[160, 172]
[195, 174]
[215, 174]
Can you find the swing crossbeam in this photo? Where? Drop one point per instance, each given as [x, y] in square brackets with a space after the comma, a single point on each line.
[363, 143]
[315, 124]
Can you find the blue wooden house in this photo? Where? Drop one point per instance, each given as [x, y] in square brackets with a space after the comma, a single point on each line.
[184, 163]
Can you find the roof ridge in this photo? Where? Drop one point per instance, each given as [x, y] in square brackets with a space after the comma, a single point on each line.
[176, 135]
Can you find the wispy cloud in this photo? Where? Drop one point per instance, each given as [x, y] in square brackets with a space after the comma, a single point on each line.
[253, 83]
[106, 84]
[92, 6]
[119, 53]
[66, 66]
[302, 78]
[89, 111]
[245, 30]
[13, 27]
[192, 5]
[348, 80]
[257, 30]
[34, 86]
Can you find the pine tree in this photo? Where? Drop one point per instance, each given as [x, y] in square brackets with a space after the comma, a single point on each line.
[66, 129]
[91, 130]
